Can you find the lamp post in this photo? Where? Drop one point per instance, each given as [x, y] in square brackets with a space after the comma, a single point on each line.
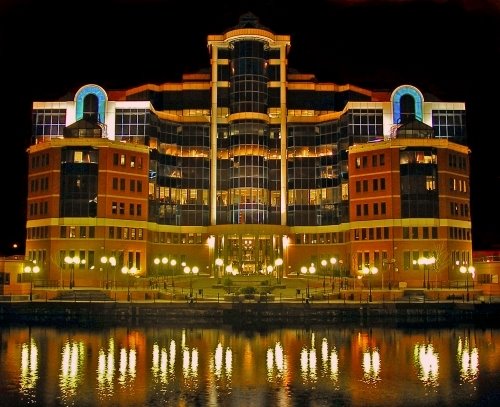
[278, 263]
[370, 271]
[71, 261]
[30, 270]
[333, 262]
[128, 272]
[107, 262]
[467, 271]
[156, 262]
[164, 261]
[191, 271]
[426, 262]
[323, 265]
[219, 263]
[342, 279]
[173, 262]
[308, 270]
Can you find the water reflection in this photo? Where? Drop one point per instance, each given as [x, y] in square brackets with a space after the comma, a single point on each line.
[167, 365]
[29, 368]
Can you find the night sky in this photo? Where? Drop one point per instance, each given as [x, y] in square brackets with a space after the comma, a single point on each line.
[450, 49]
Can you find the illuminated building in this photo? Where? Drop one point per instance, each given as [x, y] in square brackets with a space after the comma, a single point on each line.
[249, 162]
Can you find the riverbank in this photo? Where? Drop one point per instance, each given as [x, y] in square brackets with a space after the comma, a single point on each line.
[248, 313]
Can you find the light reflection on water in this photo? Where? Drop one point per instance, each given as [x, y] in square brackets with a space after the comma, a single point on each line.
[219, 367]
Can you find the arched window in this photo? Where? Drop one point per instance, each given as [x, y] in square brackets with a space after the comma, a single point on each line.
[407, 103]
[91, 107]
[91, 100]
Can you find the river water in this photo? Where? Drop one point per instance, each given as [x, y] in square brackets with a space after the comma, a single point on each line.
[347, 365]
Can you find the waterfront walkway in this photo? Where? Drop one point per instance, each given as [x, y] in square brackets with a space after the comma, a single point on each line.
[291, 290]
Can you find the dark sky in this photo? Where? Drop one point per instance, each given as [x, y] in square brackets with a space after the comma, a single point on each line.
[450, 49]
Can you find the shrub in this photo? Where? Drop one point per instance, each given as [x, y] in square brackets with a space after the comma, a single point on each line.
[227, 284]
[248, 290]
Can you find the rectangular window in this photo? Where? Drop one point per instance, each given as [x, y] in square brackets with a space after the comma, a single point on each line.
[365, 185]
[375, 184]
[375, 208]
[72, 232]
[358, 210]
[132, 162]
[383, 208]
[374, 160]
[138, 260]
[115, 159]
[111, 232]
[139, 186]
[406, 260]
[62, 232]
[115, 183]
[406, 232]
[358, 186]
[125, 233]
[132, 234]
[382, 184]
[131, 208]
[122, 184]
[91, 232]
[132, 185]
[83, 232]
[139, 209]
[415, 256]
[114, 208]
[122, 159]
[425, 233]
[434, 232]
[365, 161]
[365, 209]
[382, 159]
[414, 232]
[358, 162]
[139, 234]
[122, 208]
[118, 232]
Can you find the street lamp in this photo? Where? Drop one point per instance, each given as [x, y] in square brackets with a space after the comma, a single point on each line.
[105, 261]
[278, 262]
[342, 279]
[370, 271]
[71, 261]
[323, 265]
[308, 270]
[191, 271]
[156, 262]
[30, 270]
[128, 272]
[426, 262]
[173, 262]
[467, 271]
[333, 262]
[269, 269]
[164, 261]
[219, 263]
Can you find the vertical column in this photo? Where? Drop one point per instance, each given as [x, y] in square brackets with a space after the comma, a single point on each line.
[213, 138]
[283, 113]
